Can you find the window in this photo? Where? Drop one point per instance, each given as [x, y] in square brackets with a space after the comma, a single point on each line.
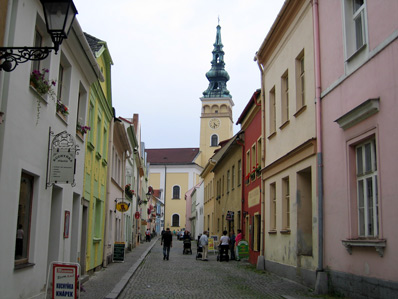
[248, 162]
[214, 140]
[81, 106]
[91, 122]
[60, 82]
[358, 9]
[233, 177]
[116, 167]
[254, 157]
[239, 172]
[259, 149]
[228, 181]
[300, 81]
[222, 185]
[99, 133]
[367, 189]
[24, 219]
[285, 97]
[105, 143]
[211, 189]
[286, 204]
[64, 81]
[176, 192]
[272, 196]
[175, 220]
[38, 42]
[98, 218]
[355, 26]
[272, 112]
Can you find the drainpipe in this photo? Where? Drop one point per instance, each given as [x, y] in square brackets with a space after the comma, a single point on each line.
[262, 196]
[318, 134]
[243, 183]
[108, 192]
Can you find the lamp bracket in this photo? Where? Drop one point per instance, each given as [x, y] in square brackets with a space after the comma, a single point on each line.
[12, 56]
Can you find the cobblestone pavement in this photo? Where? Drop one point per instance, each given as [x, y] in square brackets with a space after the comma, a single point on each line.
[110, 281]
[185, 277]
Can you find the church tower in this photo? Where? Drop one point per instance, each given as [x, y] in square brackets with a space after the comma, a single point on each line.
[216, 117]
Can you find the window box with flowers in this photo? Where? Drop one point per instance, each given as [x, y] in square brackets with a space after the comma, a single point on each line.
[253, 174]
[81, 130]
[62, 110]
[42, 87]
[129, 192]
[247, 179]
[258, 170]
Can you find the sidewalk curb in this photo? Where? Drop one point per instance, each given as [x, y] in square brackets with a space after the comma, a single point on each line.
[125, 279]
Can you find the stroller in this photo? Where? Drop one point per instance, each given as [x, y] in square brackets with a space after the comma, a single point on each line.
[223, 253]
[199, 252]
[187, 246]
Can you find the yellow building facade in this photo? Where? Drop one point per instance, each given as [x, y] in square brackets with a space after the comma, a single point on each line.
[289, 171]
[173, 171]
[99, 117]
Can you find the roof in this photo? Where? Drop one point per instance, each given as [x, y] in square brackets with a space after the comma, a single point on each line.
[95, 43]
[252, 101]
[172, 155]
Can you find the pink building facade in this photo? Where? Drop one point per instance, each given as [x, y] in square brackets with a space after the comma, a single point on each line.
[359, 93]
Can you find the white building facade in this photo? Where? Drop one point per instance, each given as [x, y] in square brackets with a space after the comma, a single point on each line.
[48, 218]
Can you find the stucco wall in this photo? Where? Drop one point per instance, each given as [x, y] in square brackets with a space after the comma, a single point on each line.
[343, 91]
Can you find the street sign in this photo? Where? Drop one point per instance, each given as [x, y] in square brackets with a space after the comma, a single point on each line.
[118, 252]
[137, 215]
[64, 281]
[243, 249]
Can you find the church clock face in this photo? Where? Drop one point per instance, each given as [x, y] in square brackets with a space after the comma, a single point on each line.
[214, 123]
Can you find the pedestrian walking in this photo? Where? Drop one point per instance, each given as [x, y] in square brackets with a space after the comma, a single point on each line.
[148, 235]
[232, 244]
[167, 242]
[204, 242]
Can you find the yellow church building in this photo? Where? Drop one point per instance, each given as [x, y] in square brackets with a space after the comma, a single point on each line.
[175, 171]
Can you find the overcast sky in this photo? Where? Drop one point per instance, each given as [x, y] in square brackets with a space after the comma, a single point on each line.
[161, 50]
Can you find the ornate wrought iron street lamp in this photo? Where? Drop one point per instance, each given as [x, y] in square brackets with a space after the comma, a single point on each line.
[59, 16]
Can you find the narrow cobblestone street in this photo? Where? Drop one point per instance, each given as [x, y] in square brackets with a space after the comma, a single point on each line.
[185, 277]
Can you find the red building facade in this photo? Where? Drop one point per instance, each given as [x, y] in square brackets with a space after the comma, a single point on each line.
[250, 121]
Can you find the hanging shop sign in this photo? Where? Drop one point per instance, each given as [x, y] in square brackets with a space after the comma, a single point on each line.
[61, 161]
[122, 206]
[137, 215]
[230, 216]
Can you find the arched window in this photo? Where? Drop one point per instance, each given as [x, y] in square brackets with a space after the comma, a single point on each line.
[176, 192]
[176, 220]
[214, 140]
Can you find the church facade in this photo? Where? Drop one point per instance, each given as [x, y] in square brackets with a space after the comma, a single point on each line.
[175, 171]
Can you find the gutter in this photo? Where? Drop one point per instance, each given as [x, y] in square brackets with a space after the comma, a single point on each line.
[262, 197]
[318, 133]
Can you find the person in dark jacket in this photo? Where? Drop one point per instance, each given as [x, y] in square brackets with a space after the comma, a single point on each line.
[232, 244]
[167, 242]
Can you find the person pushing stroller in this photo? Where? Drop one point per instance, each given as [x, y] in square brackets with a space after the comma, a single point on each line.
[186, 239]
[223, 248]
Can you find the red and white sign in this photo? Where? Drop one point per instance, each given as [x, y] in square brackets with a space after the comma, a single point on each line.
[64, 281]
[137, 215]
